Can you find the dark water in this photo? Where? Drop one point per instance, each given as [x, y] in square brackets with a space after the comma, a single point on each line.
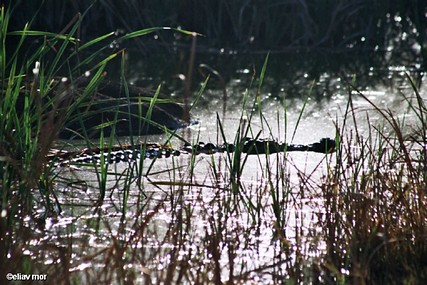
[316, 85]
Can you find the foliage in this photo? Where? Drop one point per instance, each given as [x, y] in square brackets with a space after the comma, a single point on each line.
[202, 223]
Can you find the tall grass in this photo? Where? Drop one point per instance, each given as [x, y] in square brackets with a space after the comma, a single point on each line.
[368, 226]
[375, 217]
[40, 92]
[35, 105]
[204, 223]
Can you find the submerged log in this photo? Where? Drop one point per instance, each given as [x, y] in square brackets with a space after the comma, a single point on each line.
[80, 111]
[128, 113]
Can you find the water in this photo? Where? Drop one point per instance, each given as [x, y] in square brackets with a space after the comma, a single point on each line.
[216, 219]
[200, 219]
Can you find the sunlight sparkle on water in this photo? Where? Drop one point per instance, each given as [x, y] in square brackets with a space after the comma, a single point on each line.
[82, 267]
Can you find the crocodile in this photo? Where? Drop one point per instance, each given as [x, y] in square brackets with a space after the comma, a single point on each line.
[126, 153]
[129, 110]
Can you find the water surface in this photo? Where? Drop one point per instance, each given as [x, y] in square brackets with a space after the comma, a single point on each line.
[188, 219]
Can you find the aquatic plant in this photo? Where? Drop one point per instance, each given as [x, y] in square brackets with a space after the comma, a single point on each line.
[365, 223]
[40, 94]
[374, 218]
[201, 220]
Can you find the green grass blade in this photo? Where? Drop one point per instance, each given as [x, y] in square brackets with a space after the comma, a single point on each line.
[95, 41]
[262, 75]
[199, 94]
[302, 111]
[147, 31]
[67, 38]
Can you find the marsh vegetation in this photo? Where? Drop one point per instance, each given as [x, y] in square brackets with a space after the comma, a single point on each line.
[355, 216]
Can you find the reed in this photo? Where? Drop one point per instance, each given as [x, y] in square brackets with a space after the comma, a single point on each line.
[37, 100]
[374, 217]
[176, 224]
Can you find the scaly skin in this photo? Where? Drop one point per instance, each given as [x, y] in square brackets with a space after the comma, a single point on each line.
[131, 152]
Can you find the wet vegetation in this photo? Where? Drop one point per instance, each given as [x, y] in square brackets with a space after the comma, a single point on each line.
[357, 216]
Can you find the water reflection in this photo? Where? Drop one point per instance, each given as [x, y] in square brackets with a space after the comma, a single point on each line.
[181, 229]
[193, 220]
[290, 73]
[190, 221]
